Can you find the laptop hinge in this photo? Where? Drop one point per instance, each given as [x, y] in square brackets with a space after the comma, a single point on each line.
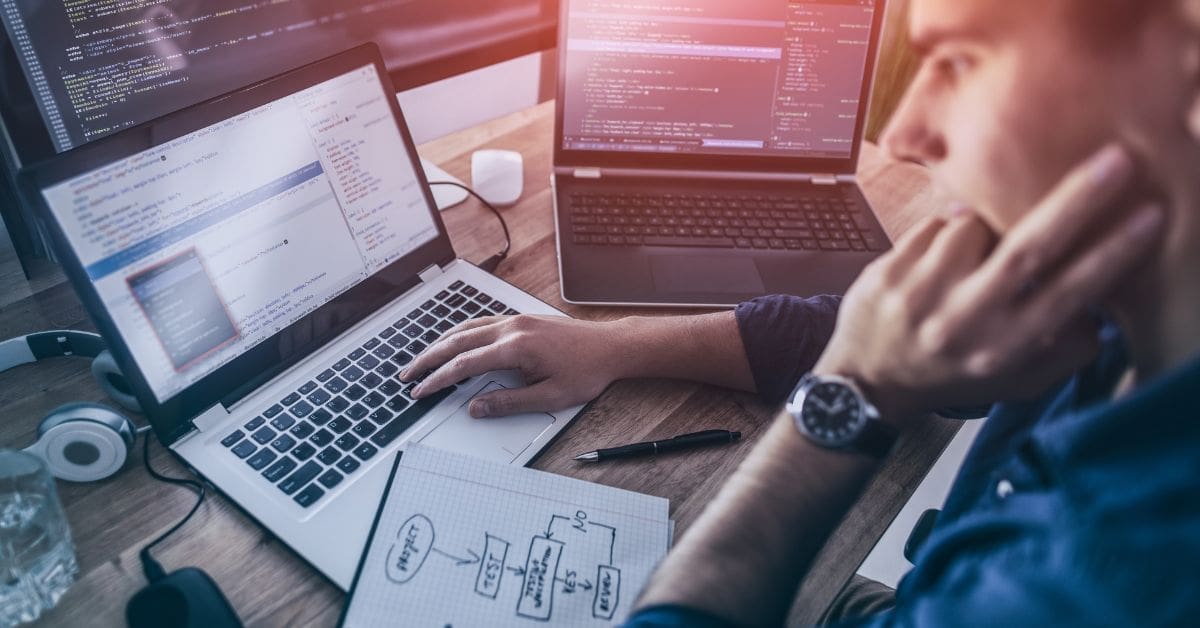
[189, 435]
[430, 273]
[674, 173]
[210, 418]
[825, 179]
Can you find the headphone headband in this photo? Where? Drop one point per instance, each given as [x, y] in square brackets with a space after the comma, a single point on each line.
[79, 442]
[68, 342]
[49, 344]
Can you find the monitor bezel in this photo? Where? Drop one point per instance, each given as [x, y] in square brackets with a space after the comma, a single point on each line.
[650, 160]
[172, 417]
[33, 143]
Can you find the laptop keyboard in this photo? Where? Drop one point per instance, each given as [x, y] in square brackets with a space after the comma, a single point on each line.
[321, 433]
[820, 221]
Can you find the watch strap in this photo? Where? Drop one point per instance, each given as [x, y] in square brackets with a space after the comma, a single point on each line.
[876, 439]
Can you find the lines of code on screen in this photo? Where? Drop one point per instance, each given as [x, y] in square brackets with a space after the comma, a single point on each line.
[751, 77]
[98, 66]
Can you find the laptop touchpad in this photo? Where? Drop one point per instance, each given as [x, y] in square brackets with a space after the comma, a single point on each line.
[501, 440]
[693, 274]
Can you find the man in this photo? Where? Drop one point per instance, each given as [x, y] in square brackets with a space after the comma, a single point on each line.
[1081, 506]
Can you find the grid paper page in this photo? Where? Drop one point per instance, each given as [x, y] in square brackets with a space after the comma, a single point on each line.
[463, 542]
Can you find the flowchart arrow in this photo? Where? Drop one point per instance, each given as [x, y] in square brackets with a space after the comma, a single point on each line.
[550, 526]
[586, 585]
[520, 571]
[459, 561]
[613, 543]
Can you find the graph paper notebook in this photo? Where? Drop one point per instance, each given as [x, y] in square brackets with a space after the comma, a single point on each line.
[463, 542]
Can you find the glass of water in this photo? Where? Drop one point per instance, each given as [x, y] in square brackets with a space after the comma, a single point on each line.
[37, 558]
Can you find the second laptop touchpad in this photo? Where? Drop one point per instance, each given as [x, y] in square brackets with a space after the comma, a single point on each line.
[499, 439]
[693, 274]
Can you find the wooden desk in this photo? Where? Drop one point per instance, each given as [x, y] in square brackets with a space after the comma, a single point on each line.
[268, 585]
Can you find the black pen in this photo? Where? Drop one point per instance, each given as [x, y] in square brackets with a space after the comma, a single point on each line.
[685, 441]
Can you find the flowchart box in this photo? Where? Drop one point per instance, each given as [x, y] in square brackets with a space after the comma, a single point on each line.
[541, 567]
[608, 592]
[491, 566]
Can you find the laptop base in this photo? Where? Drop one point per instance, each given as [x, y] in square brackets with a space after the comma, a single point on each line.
[718, 256]
[330, 534]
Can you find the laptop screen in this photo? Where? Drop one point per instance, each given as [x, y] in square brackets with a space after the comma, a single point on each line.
[208, 244]
[759, 78]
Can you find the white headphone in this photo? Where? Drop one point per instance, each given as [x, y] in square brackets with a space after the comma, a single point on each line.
[80, 442]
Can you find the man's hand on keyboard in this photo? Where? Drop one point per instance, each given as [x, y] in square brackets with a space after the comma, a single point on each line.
[563, 361]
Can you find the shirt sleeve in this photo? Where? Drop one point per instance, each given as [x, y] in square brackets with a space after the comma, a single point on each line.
[669, 616]
[1000, 576]
[783, 337]
[1093, 579]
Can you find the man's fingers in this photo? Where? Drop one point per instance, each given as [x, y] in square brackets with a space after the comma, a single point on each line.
[958, 251]
[468, 364]
[1037, 358]
[1095, 273]
[474, 323]
[1084, 199]
[446, 348]
[964, 245]
[540, 397]
[916, 241]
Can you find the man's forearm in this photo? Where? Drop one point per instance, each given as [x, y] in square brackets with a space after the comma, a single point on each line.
[745, 556]
[706, 348]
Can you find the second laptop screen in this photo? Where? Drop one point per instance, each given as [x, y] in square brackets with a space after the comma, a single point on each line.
[752, 77]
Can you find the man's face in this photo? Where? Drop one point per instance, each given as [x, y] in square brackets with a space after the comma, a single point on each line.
[1007, 100]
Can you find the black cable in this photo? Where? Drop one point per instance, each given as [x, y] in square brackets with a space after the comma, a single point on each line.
[492, 262]
[151, 567]
[153, 570]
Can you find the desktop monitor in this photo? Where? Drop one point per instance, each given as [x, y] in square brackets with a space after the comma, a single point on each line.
[74, 71]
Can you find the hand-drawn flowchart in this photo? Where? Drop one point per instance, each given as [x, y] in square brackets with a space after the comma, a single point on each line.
[461, 542]
[572, 556]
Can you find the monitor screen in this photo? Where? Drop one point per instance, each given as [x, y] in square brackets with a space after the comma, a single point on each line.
[208, 244]
[96, 66]
[711, 77]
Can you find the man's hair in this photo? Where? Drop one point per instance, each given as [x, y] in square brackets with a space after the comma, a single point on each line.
[1109, 22]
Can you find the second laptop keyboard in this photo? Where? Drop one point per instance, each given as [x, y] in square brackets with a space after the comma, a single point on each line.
[824, 221]
[322, 432]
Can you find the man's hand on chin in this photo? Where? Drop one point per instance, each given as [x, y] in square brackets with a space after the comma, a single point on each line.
[957, 316]
[953, 316]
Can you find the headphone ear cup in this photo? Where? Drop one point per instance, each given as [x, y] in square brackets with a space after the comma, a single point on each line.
[110, 378]
[83, 442]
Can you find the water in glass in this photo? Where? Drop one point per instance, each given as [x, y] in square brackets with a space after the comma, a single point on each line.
[37, 558]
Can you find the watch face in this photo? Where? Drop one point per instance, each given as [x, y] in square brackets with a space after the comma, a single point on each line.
[832, 413]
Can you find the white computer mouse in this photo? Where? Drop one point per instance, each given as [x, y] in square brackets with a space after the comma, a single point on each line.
[498, 175]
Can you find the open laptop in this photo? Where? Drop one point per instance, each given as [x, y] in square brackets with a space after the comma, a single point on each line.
[705, 151]
[262, 265]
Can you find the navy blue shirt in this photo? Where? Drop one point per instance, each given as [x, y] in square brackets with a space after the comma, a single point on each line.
[1077, 508]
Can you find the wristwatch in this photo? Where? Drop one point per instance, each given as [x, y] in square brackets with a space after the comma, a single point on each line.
[832, 412]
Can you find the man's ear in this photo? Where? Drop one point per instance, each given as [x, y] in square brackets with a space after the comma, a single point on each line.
[1191, 15]
[1194, 117]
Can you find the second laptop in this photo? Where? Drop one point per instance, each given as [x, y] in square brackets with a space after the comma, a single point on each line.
[705, 152]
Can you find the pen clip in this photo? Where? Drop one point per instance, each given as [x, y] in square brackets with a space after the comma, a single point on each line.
[704, 433]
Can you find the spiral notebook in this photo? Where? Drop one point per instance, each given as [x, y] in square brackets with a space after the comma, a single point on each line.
[459, 541]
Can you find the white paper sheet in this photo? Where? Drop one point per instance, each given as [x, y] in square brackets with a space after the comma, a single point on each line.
[464, 542]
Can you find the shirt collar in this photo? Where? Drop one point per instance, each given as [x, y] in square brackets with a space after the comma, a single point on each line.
[1167, 406]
